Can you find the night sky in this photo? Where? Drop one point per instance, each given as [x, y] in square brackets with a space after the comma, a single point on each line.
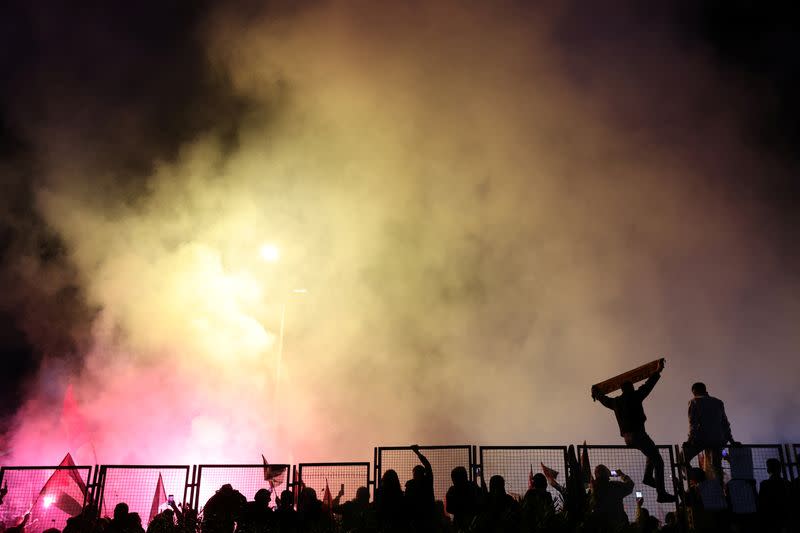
[97, 100]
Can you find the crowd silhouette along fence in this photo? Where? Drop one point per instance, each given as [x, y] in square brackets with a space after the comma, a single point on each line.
[51, 494]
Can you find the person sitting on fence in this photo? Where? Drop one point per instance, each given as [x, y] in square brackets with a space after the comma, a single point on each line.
[222, 510]
[256, 516]
[285, 519]
[501, 511]
[390, 503]
[463, 499]
[630, 417]
[774, 498]
[356, 514]
[709, 429]
[607, 510]
[537, 504]
[419, 494]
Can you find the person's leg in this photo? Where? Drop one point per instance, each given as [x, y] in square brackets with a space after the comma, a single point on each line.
[655, 464]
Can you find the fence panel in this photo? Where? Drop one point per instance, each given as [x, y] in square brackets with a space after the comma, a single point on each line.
[51, 494]
[247, 479]
[515, 463]
[796, 451]
[139, 487]
[749, 461]
[351, 475]
[632, 462]
[442, 458]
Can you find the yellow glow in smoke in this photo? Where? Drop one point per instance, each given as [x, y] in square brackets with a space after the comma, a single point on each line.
[270, 253]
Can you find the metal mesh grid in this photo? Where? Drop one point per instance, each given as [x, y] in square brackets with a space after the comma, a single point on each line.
[748, 461]
[60, 500]
[351, 475]
[247, 479]
[796, 450]
[137, 486]
[442, 458]
[514, 463]
[632, 462]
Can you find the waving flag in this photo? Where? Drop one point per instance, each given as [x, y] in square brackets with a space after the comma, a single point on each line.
[159, 498]
[274, 475]
[327, 498]
[549, 473]
[65, 491]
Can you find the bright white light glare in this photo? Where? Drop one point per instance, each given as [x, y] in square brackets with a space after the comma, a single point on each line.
[300, 291]
[48, 501]
[270, 253]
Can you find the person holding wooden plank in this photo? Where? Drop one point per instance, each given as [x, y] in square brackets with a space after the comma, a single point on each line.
[630, 416]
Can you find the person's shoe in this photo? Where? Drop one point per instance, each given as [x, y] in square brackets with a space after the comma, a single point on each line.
[666, 498]
[650, 481]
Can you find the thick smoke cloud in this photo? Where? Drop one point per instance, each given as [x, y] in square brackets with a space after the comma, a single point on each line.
[491, 208]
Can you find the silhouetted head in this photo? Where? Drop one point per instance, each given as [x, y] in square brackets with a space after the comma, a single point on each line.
[135, 519]
[418, 472]
[307, 499]
[602, 473]
[773, 466]
[121, 511]
[669, 518]
[699, 389]
[497, 485]
[287, 499]
[262, 497]
[227, 487]
[362, 495]
[459, 475]
[539, 481]
[390, 482]
[627, 387]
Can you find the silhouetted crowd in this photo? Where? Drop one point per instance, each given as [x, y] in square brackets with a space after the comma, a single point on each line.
[590, 500]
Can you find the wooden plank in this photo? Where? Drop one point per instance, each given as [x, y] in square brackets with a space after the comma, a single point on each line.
[640, 373]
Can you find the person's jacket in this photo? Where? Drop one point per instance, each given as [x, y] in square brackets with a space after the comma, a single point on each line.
[707, 421]
[628, 407]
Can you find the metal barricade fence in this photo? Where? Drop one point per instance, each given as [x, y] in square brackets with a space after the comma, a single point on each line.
[144, 488]
[749, 461]
[51, 494]
[515, 464]
[632, 462]
[443, 460]
[796, 451]
[335, 476]
[247, 479]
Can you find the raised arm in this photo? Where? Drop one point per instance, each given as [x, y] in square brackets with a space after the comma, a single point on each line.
[647, 388]
[424, 460]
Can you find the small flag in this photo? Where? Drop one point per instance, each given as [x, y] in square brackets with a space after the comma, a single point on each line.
[327, 498]
[586, 468]
[549, 473]
[274, 475]
[159, 498]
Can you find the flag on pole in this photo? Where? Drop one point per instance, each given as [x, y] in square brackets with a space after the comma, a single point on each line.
[327, 498]
[159, 498]
[549, 473]
[274, 475]
[65, 490]
[586, 468]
